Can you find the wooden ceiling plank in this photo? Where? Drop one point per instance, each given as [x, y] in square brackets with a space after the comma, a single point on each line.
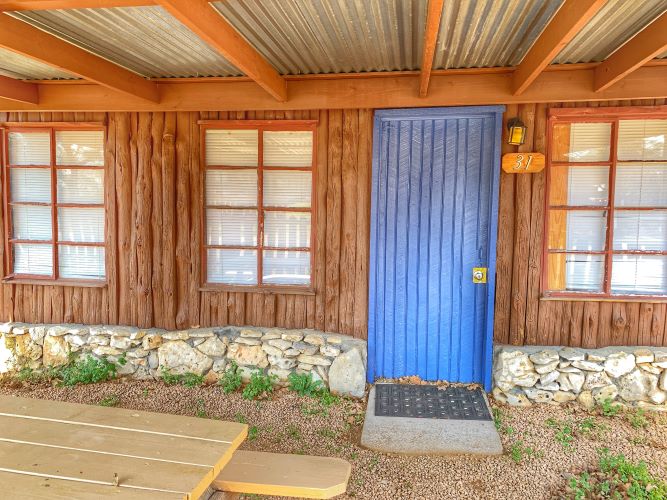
[22, 38]
[7, 5]
[17, 90]
[457, 89]
[563, 27]
[642, 48]
[201, 18]
[433, 17]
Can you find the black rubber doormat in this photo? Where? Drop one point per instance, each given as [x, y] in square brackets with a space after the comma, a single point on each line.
[429, 401]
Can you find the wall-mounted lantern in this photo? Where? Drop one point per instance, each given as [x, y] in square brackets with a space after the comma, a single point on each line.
[516, 135]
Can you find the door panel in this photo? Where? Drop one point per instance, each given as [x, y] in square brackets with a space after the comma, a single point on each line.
[433, 219]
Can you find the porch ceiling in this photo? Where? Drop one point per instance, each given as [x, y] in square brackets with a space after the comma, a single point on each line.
[21, 67]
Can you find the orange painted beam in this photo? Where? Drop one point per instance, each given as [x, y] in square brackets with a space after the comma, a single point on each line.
[205, 21]
[69, 4]
[433, 17]
[24, 39]
[642, 48]
[17, 90]
[568, 21]
[447, 89]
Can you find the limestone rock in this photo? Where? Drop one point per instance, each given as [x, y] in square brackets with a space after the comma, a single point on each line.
[663, 381]
[270, 336]
[153, 360]
[305, 348]
[542, 369]
[553, 386]
[213, 346]
[571, 382]
[37, 334]
[57, 331]
[596, 358]
[211, 378]
[550, 377]
[648, 367]
[305, 367]
[291, 353]
[272, 351]
[292, 337]
[588, 366]
[98, 340]
[347, 375]
[248, 341]
[56, 351]
[282, 363]
[539, 396]
[280, 344]
[585, 399]
[151, 341]
[514, 368]
[619, 363]
[219, 365]
[28, 349]
[77, 340]
[517, 398]
[602, 394]
[247, 355]
[644, 356]
[595, 380]
[568, 369]
[179, 335]
[281, 375]
[179, 357]
[253, 334]
[499, 395]
[120, 342]
[104, 351]
[329, 350]
[201, 333]
[321, 360]
[334, 339]
[636, 385]
[657, 396]
[544, 357]
[571, 354]
[564, 397]
[314, 339]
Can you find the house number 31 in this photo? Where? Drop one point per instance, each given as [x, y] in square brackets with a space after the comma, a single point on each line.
[522, 163]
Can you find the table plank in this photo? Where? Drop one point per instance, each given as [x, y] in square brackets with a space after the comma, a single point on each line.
[118, 418]
[116, 441]
[188, 480]
[44, 488]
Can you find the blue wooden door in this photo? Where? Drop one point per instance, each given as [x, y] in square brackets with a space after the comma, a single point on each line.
[433, 219]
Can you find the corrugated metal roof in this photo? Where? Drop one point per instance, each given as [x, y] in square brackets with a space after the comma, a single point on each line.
[146, 40]
[610, 28]
[488, 33]
[332, 36]
[17, 66]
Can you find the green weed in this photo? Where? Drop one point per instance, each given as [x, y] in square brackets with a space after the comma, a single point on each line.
[201, 409]
[498, 420]
[637, 418]
[260, 385]
[303, 384]
[187, 379]
[110, 401]
[519, 452]
[231, 379]
[564, 432]
[86, 371]
[253, 433]
[609, 409]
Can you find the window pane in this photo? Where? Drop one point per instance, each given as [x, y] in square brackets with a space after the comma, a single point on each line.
[85, 225]
[231, 227]
[288, 149]
[640, 230]
[29, 148]
[233, 148]
[581, 142]
[81, 186]
[287, 229]
[282, 267]
[287, 189]
[81, 262]
[642, 140]
[577, 229]
[579, 186]
[232, 266]
[575, 272]
[231, 187]
[33, 259]
[30, 184]
[641, 185]
[80, 147]
[639, 274]
[30, 222]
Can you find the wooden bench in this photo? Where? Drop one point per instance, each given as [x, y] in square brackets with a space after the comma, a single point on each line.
[285, 475]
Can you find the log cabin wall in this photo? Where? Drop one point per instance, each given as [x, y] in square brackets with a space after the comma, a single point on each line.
[520, 316]
[154, 231]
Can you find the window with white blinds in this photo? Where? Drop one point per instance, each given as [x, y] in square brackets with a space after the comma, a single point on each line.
[259, 203]
[56, 203]
[607, 220]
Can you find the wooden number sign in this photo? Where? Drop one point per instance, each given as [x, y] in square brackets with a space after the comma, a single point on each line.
[523, 163]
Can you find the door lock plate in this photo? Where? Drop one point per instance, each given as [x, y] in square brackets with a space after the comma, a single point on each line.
[479, 274]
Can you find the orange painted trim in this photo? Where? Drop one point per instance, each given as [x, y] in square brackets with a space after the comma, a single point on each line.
[18, 90]
[433, 17]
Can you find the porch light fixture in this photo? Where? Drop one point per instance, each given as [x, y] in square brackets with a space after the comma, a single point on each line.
[516, 132]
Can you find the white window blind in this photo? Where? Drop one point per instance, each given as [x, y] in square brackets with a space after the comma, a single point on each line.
[232, 227]
[642, 139]
[30, 258]
[283, 267]
[288, 149]
[232, 266]
[231, 187]
[641, 230]
[589, 142]
[641, 185]
[81, 262]
[232, 148]
[586, 230]
[82, 225]
[81, 186]
[80, 147]
[287, 189]
[287, 229]
[587, 186]
[584, 273]
[639, 274]
[31, 222]
[29, 148]
[30, 184]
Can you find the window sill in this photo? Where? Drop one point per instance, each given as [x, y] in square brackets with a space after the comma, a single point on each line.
[620, 298]
[60, 282]
[274, 290]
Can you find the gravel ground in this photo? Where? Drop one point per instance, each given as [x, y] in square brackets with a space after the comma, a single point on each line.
[290, 424]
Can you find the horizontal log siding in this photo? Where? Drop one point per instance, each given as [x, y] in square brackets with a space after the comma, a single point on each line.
[521, 317]
[153, 190]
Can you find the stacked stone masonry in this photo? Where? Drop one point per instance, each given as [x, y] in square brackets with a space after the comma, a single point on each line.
[635, 376]
[339, 361]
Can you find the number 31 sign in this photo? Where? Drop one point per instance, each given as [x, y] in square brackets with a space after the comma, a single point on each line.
[523, 163]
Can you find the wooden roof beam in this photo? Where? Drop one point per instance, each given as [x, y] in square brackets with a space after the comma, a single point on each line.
[568, 21]
[17, 90]
[433, 17]
[29, 41]
[201, 18]
[646, 45]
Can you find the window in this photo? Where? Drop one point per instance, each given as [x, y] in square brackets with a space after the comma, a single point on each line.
[607, 204]
[258, 190]
[55, 203]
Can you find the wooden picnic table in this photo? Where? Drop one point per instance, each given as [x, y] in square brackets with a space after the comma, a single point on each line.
[51, 449]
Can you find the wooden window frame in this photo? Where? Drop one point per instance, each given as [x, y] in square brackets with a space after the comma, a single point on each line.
[9, 242]
[261, 126]
[612, 115]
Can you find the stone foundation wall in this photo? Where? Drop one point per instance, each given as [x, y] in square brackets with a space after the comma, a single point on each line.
[630, 375]
[338, 360]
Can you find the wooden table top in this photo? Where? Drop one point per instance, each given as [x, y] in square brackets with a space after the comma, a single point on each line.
[50, 449]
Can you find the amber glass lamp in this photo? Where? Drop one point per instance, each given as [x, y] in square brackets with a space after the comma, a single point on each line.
[516, 135]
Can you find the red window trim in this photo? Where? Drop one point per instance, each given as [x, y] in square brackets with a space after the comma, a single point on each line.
[261, 126]
[9, 241]
[595, 115]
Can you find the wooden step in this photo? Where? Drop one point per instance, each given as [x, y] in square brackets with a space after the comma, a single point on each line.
[285, 475]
